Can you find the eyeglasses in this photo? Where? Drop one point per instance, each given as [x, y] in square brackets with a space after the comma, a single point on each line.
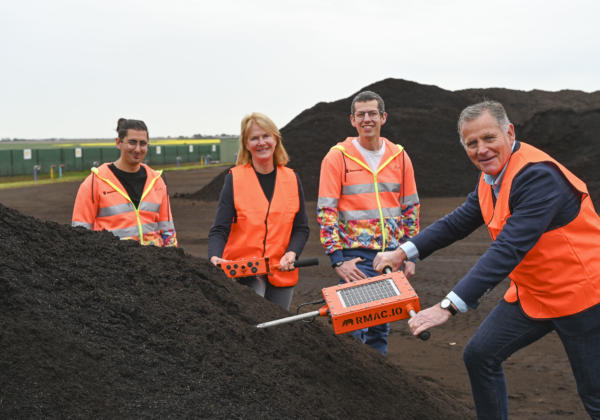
[132, 144]
[374, 115]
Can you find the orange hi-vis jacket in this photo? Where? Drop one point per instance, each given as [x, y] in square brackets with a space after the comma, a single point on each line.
[102, 203]
[366, 206]
[263, 228]
[560, 275]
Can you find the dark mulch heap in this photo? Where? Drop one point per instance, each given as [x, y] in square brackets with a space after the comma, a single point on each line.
[423, 119]
[100, 328]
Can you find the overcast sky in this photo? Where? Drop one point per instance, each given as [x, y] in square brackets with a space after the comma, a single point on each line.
[70, 68]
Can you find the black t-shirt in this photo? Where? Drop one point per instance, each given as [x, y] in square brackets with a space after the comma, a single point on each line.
[267, 182]
[132, 181]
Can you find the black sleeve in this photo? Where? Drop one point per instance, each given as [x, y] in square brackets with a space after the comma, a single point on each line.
[219, 231]
[300, 229]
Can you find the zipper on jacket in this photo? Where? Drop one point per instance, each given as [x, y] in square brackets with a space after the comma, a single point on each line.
[266, 228]
[93, 175]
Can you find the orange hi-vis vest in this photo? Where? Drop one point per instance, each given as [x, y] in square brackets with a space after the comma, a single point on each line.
[368, 194]
[263, 228]
[560, 275]
[102, 203]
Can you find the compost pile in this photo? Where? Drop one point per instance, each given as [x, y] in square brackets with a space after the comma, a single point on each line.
[423, 119]
[96, 327]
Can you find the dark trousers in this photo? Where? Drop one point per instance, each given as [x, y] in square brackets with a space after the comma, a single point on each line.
[506, 330]
[279, 295]
[377, 335]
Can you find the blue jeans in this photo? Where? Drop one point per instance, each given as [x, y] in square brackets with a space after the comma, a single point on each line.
[506, 330]
[377, 335]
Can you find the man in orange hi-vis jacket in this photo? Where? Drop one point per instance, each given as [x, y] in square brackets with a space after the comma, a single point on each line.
[368, 201]
[545, 238]
[127, 197]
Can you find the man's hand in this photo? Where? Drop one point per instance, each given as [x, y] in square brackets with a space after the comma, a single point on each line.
[427, 318]
[409, 269]
[349, 272]
[286, 263]
[393, 259]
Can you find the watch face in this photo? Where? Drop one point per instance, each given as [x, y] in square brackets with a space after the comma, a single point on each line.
[447, 304]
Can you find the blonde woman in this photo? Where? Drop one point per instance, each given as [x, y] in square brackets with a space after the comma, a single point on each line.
[261, 211]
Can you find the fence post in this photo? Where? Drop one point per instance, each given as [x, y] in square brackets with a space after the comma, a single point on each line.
[36, 168]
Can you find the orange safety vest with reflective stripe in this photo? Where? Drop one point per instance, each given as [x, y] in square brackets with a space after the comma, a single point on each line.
[368, 194]
[102, 203]
[560, 275]
[263, 228]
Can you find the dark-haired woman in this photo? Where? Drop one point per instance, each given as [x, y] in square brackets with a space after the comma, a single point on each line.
[127, 197]
[261, 211]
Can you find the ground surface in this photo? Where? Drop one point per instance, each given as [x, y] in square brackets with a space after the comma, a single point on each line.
[539, 378]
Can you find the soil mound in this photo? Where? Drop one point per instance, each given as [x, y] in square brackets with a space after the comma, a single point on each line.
[210, 192]
[96, 327]
[423, 118]
[572, 138]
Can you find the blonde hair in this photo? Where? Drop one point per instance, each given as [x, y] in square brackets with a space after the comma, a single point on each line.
[280, 156]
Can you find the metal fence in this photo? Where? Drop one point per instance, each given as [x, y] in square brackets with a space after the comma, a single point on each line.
[80, 157]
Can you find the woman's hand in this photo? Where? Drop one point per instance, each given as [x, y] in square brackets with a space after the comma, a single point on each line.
[217, 260]
[286, 263]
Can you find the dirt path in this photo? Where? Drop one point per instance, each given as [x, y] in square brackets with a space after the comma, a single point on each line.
[539, 378]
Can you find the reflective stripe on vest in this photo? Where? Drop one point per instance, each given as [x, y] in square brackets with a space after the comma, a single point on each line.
[375, 187]
[263, 228]
[560, 275]
[88, 226]
[127, 207]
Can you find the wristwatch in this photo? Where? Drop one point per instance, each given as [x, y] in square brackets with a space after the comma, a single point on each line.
[338, 264]
[447, 305]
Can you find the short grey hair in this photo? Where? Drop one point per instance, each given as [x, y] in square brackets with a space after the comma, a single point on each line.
[475, 111]
[365, 96]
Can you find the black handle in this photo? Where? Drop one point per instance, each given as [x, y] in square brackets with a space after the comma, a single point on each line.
[306, 262]
[423, 335]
